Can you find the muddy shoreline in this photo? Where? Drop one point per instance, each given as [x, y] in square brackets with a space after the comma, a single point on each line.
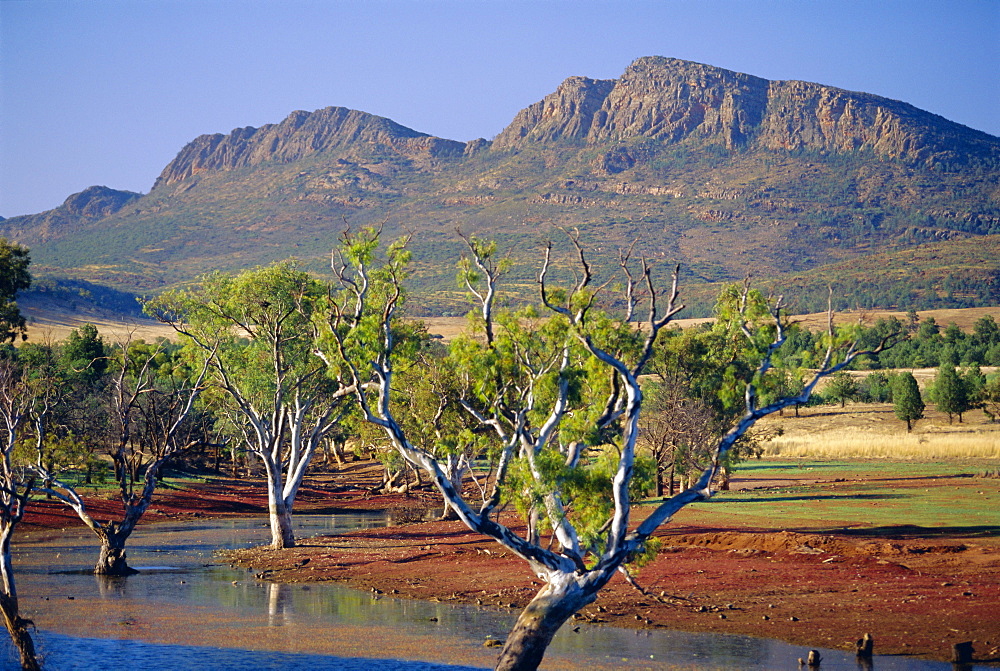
[916, 595]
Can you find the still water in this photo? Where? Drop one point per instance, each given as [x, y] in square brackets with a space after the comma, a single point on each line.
[185, 610]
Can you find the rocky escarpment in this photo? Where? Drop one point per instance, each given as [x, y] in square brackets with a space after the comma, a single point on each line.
[671, 100]
[662, 100]
[91, 204]
[303, 134]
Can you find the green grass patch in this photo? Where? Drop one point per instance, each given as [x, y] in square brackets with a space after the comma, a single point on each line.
[861, 498]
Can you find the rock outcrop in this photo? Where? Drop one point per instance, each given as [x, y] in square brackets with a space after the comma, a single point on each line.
[663, 100]
[721, 171]
[671, 100]
[300, 135]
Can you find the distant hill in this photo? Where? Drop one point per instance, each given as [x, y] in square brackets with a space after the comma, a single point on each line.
[723, 172]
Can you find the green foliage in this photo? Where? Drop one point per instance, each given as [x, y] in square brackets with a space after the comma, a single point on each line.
[927, 345]
[14, 277]
[585, 489]
[989, 396]
[950, 392]
[84, 355]
[875, 388]
[841, 388]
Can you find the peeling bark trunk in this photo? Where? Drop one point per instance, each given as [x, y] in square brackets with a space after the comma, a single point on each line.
[538, 623]
[282, 535]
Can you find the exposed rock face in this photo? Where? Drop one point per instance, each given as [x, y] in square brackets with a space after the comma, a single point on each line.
[566, 113]
[300, 135]
[718, 170]
[670, 100]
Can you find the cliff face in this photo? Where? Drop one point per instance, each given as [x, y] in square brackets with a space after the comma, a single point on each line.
[566, 113]
[300, 135]
[670, 101]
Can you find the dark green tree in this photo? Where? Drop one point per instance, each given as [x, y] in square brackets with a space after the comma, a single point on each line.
[875, 388]
[950, 392]
[84, 355]
[14, 276]
[989, 396]
[974, 381]
[908, 404]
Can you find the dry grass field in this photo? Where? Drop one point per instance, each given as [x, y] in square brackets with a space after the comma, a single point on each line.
[52, 321]
[871, 431]
[449, 327]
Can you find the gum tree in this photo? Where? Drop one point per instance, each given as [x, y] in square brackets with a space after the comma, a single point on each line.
[255, 332]
[562, 396]
[16, 400]
[150, 402]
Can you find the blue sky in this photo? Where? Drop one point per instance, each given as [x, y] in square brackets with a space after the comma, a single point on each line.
[107, 92]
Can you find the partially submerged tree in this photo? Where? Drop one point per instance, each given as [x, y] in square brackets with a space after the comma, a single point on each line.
[255, 332]
[16, 399]
[562, 398]
[151, 398]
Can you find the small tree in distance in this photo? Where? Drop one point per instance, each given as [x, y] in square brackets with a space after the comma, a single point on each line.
[906, 400]
[842, 387]
[950, 392]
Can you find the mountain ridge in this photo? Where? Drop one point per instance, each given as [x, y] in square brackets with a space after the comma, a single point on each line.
[666, 98]
[721, 171]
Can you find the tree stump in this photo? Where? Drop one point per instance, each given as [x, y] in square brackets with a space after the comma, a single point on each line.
[962, 653]
[865, 644]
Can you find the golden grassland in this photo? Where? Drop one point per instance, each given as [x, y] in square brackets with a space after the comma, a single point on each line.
[112, 331]
[871, 431]
[52, 320]
[964, 318]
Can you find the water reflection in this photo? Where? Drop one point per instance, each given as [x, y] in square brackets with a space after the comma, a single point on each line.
[278, 604]
[183, 596]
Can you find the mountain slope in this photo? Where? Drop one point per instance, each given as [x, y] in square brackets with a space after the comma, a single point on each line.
[724, 172]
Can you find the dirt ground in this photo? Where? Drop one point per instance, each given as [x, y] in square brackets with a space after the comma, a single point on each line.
[916, 594]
